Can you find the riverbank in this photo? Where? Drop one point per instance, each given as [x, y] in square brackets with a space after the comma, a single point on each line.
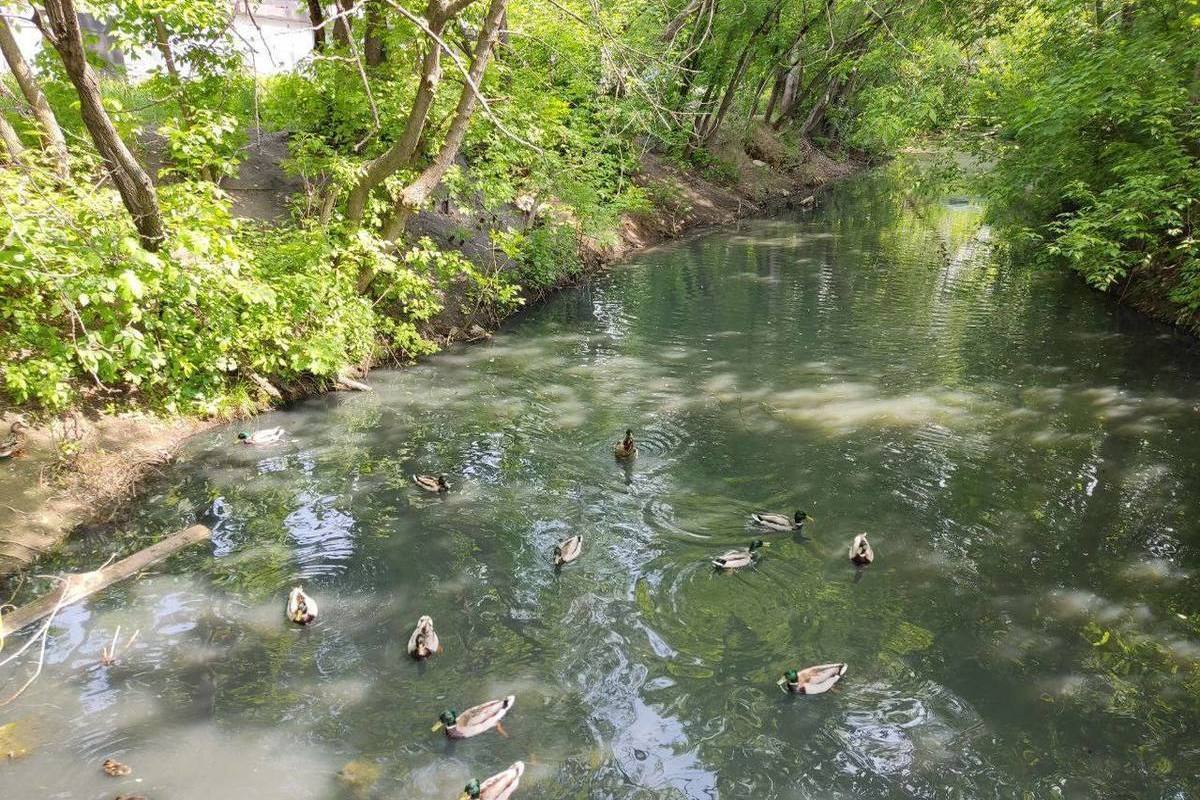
[81, 468]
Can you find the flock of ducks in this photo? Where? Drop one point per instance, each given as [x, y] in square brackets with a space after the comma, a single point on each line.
[424, 642]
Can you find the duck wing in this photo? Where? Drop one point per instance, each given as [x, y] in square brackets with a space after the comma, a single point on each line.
[501, 785]
[772, 520]
[821, 678]
[483, 717]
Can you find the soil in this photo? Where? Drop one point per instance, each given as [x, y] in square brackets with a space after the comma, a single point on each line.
[84, 468]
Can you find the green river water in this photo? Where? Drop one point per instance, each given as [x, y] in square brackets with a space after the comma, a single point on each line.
[1024, 454]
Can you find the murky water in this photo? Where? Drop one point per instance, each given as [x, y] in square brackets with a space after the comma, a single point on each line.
[1024, 455]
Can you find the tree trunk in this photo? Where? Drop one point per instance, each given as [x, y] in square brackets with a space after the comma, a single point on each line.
[776, 92]
[437, 14]
[316, 15]
[341, 24]
[417, 192]
[739, 71]
[373, 50]
[61, 29]
[51, 134]
[10, 144]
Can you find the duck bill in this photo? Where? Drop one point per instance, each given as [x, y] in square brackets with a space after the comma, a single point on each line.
[437, 727]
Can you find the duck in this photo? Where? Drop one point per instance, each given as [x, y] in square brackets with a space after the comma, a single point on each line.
[861, 552]
[813, 680]
[626, 448]
[265, 436]
[780, 522]
[115, 769]
[475, 720]
[736, 559]
[424, 641]
[498, 787]
[432, 483]
[301, 609]
[14, 443]
[568, 550]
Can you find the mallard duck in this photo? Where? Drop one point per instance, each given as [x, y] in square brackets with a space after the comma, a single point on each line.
[14, 443]
[780, 522]
[736, 559]
[813, 680]
[498, 787]
[301, 609]
[265, 436]
[115, 769]
[626, 447]
[424, 640]
[568, 550]
[861, 552]
[475, 720]
[432, 483]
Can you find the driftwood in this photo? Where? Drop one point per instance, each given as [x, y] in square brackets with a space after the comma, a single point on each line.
[77, 586]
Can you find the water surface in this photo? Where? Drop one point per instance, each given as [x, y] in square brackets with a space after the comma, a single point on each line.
[1023, 453]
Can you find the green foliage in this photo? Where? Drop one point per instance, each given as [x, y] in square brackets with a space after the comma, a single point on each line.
[547, 256]
[1093, 130]
[208, 144]
[90, 315]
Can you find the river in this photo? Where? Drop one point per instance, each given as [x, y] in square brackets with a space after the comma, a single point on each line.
[1024, 454]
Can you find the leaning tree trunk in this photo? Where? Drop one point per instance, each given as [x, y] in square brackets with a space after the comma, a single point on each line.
[437, 14]
[316, 15]
[51, 133]
[61, 29]
[417, 192]
[341, 23]
[11, 149]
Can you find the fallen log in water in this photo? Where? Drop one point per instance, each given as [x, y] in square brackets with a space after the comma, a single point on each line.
[75, 587]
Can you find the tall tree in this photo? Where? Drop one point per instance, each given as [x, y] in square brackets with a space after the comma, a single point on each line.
[60, 26]
[10, 144]
[52, 136]
[316, 15]
[373, 50]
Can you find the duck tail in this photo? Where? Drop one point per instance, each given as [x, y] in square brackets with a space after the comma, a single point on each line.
[508, 701]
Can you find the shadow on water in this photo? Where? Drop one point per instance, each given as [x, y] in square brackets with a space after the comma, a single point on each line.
[1029, 452]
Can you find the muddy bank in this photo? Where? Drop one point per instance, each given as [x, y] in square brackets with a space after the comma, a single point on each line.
[84, 468]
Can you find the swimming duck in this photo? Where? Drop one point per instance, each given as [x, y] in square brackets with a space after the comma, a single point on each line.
[265, 436]
[626, 447]
[813, 680]
[780, 522]
[424, 640]
[568, 550]
[301, 609]
[476, 720]
[861, 552]
[14, 443]
[736, 559]
[432, 483]
[115, 769]
[498, 787]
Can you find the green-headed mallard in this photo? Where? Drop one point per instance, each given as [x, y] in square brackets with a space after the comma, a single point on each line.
[780, 522]
[568, 550]
[432, 483]
[14, 443]
[736, 559]
[265, 436]
[813, 680]
[498, 787]
[424, 640]
[626, 448]
[301, 609]
[861, 552]
[476, 720]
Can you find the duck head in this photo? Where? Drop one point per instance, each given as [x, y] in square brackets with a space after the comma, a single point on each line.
[446, 719]
[243, 436]
[471, 791]
[802, 517]
[758, 543]
[628, 437]
[791, 676]
[441, 478]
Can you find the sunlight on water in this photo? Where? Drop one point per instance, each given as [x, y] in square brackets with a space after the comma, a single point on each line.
[1023, 455]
